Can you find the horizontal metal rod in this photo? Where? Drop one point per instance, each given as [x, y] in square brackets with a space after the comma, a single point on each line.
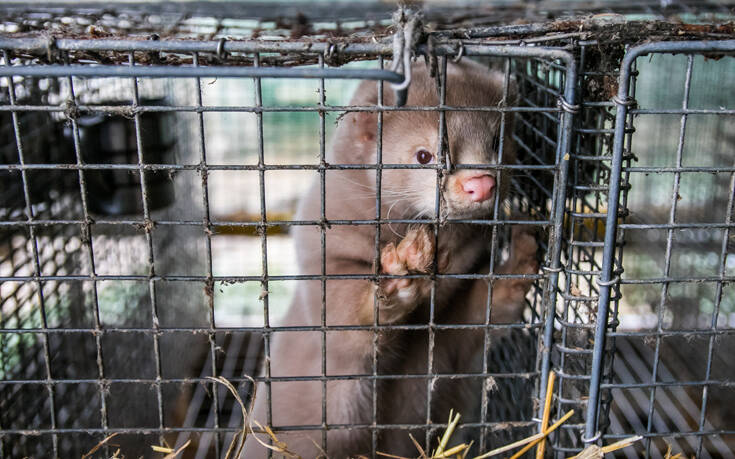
[170, 71]
[682, 111]
[237, 380]
[265, 167]
[226, 226]
[684, 169]
[226, 279]
[449, 48]
[679, 226]
[273, 223]
[674, 279]
[674, 434]
[271, 328]
[277, 429]
[649, 385]
[131, 110]
[688, 332]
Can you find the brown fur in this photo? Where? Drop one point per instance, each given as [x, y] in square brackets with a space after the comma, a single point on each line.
[462, 248]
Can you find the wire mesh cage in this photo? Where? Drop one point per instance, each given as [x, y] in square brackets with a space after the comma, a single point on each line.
[174, 176]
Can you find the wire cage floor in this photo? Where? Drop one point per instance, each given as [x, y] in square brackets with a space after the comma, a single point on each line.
[151, 159]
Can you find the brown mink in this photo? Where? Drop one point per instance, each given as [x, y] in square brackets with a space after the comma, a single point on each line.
[408, 137]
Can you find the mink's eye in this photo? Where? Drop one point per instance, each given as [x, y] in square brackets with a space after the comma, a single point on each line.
[424, 157]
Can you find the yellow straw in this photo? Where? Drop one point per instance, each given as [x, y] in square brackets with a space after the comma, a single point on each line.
[547, 409]
[530, 439]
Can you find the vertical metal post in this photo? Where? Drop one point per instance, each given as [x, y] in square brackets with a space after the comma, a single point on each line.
[264, 250]
[378, 206]
[323, 228]
[440, 164]
[558, 212]
[209, 283]
[485, 399]
[148, 226]
[669, 249]
[87, 239]
[591, 434]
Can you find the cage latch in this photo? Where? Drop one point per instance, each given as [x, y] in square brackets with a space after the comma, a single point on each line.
[409, 28]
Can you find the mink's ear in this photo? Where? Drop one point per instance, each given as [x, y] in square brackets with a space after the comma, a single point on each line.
[499, 82]
[363, 122]
[512, 98]
[512, 92]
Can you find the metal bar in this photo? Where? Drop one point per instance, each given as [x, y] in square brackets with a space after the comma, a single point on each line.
[209, 285]
[87, 233]
[42, 45]
[282, 328]
[484, 400]
[148, 227]
[269, 167]
[443, 160]
[376, 262]
[367, 376]
[323, 245]
[276, 109]
[274, 277]
[267, 335]
[669, 243]
[163, 71]
[561, 178]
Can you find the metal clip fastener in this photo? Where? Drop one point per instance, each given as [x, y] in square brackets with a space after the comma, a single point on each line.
[549, 269]
[593, 438]
[613, 281]
[627, 102]
[566, 106]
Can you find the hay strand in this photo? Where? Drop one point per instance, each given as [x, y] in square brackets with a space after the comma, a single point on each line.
[547, 411]
[528, 440]
[99, 445]
[175, 453]
[422, 454]
[544, 422]
[594, 451]
[244, 431]
[452, 424]
[453, 450]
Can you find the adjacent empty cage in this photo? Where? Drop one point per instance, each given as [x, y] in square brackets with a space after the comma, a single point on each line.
[150, 187]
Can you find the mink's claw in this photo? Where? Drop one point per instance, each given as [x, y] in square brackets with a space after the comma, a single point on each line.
[414, 254]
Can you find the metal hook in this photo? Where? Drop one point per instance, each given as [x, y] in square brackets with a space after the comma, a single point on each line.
[221, 53]
[408, 28]
[460, 53]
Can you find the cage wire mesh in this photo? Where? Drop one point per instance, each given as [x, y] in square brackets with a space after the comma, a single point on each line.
[146, 222]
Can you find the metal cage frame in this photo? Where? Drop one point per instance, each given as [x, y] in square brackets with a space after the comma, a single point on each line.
[567, 107]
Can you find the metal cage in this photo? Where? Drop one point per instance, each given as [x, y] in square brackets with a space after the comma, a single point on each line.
[118, 277]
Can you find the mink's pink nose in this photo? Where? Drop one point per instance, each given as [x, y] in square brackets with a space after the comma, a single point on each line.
[479, 188]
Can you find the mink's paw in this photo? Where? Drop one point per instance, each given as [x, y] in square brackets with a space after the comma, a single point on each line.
[414, 254]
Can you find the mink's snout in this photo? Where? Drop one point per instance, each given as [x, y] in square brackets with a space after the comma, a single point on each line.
[479, 188]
